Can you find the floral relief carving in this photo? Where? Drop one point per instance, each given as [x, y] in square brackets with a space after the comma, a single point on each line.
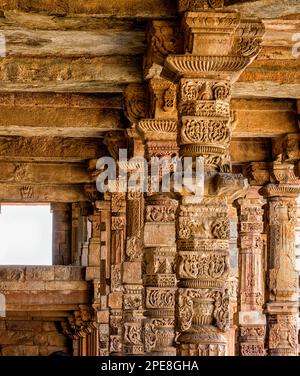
[133, 301]
[221, 311]
[135, 102]
[283, 332]
[160, 298]
[190, 308]
[185, 310]
[133, 334]
[221, 228]
[203, 265]
[205, 131]
[193, 90]
[252, 349]
[133, 248]
[156, 213]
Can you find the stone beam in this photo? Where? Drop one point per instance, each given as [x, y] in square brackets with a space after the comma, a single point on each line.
[41, 273]
[264, 117]
[50, 149]
[264, 8]
[279, 32]
[147, 8]
[46, 173]
[243, 150]
[49, 313]
[275, 73]
[42, 289]
[267, 74]
[45, 312]
[78, 74]
[31, 298]
[41, 193]
[117, 8]
[41, 35]
[55, 115]
[88, 22]
[110, 74]
[103, 42]
[66, 100]
[265, 89]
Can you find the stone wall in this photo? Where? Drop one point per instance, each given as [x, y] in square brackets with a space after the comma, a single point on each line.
[31, 338]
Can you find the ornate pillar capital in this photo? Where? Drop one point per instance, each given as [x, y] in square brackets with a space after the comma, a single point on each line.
[282, 182]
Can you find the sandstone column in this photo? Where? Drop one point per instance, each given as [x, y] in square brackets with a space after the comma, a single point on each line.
[252, 322]
[159, 134]
[283, 305]
[217, 46]
[98, 261]
[132, 267]
[61, 235]
[115, 300]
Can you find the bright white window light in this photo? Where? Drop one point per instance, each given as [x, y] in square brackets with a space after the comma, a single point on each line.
[25, 235]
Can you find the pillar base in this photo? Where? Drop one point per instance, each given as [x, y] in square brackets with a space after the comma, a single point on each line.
[204, 340]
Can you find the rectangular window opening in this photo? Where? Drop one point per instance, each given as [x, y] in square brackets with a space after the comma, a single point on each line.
[25, 234]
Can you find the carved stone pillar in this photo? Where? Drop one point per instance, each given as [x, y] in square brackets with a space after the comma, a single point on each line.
[133, 312]
[252, 321]
[98, 269]
[282, 308]
[133, 290]
[61, 235]
[84, 232]
[159, 134]
[217, 46]
[115, 300]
